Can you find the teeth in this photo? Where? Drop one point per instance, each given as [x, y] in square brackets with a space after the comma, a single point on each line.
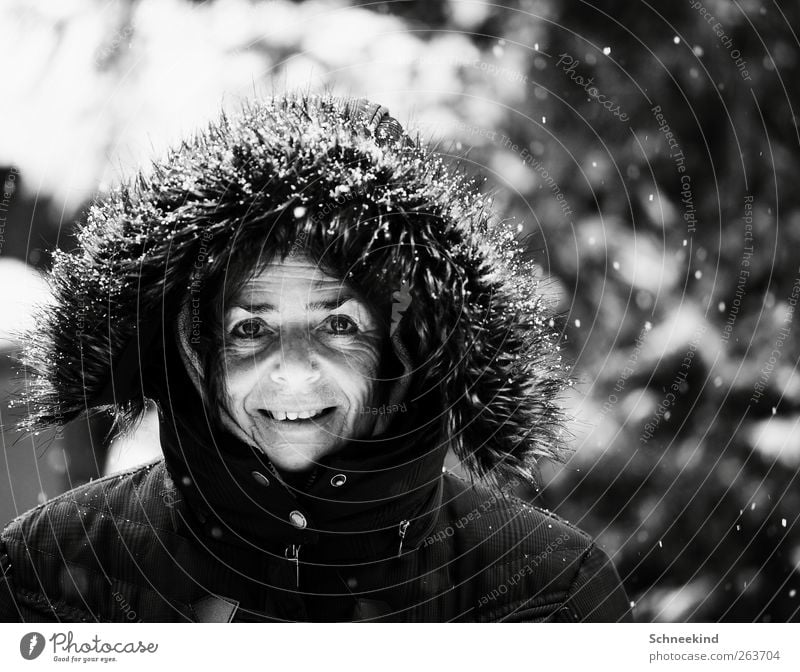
[295, 415]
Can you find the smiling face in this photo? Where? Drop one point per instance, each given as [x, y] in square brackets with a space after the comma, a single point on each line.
[300, 362]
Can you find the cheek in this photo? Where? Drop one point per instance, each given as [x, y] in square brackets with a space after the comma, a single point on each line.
[237, 380]
[356, 368]
[351, 367]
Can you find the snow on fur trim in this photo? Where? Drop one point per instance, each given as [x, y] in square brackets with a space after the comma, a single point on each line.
[301, 170]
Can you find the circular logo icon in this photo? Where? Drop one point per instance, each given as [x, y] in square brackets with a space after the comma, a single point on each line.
[31, 645]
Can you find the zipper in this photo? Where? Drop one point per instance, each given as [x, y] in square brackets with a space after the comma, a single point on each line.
[292, 554]
[311, 478]
[402, 532]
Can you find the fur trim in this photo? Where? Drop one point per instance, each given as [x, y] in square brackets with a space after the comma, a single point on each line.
[298, 169]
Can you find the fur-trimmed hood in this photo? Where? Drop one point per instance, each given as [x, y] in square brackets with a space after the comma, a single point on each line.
[310, 170]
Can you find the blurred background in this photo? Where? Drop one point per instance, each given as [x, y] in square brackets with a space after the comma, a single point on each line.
[648, 150]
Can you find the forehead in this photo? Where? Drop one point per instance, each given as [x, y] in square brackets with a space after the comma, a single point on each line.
[295, 273]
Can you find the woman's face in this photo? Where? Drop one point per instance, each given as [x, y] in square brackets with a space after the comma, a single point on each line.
[301, 357]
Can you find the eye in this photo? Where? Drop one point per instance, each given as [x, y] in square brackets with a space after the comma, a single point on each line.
[250, 328]
[341, 325]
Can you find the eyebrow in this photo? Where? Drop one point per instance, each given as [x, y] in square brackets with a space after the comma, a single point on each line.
[329, 304]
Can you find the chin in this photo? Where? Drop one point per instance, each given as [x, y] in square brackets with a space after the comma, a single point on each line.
[297, 445]
[295, 459]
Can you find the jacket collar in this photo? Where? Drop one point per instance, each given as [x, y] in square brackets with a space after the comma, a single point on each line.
[361, 503]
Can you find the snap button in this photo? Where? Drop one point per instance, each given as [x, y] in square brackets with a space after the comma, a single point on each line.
[259, 478]
[298, 519]
[338, 480]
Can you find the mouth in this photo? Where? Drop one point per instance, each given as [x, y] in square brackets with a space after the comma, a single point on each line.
[298, 416]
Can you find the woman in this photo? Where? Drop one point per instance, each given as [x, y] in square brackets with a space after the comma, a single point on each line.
[320, 310]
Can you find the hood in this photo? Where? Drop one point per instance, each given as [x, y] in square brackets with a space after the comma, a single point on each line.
[477, 355]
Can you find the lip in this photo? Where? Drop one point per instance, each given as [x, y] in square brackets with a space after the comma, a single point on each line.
[288, 418]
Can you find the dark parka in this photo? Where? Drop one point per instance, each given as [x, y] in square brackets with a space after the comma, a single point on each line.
[377, 531]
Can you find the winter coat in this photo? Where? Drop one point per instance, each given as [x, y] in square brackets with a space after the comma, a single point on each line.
[214, 531]
[126, 548]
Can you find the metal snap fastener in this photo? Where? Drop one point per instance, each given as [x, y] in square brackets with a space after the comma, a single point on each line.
[259, 478]
[338, 480]
[298, 520]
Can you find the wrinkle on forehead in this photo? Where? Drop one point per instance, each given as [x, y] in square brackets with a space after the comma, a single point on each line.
[298, 279]
[294, 268]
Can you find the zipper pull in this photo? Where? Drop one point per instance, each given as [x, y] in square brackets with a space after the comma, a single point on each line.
[402, 532]
[292, 554]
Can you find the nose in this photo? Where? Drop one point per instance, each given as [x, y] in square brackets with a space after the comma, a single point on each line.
[294, 363]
